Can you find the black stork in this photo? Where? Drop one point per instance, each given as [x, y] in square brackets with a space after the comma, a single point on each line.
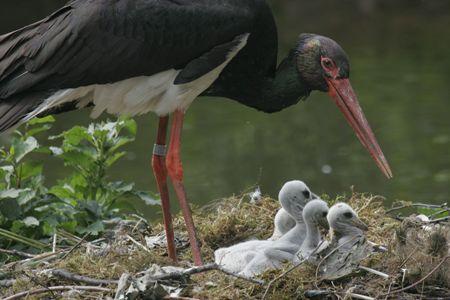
[136, 56]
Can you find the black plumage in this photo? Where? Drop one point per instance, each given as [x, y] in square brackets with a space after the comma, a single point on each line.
[102, 41]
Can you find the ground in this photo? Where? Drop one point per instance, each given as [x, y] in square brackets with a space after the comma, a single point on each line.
[416, 260]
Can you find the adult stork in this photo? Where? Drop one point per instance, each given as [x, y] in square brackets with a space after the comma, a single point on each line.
[136, 56]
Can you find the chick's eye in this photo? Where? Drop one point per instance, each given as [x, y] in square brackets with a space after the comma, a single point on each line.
[324, 214]
[348, 215]
[307, 194]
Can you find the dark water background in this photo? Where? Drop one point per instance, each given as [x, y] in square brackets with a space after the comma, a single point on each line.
[400, 55]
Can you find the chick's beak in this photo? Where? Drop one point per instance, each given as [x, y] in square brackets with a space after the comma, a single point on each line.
[323, 222]
[359, 224]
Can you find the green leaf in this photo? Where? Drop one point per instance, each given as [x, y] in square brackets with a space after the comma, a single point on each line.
[22, 148]
[74, 136]
[56, 151]
[8, 172]
[30, 169]
[93, 207]
[11, 193]
[120, 187]
[114, 158]
[94, 228]
[146, 197]
[30, 222]
[69, 226]
[62, 191]
[44, 120]
[35, 131]
[10, 209]
[129, 124]
[26, 196]
[120, 142]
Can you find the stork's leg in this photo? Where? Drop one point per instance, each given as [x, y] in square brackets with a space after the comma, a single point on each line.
[160, 172]
[175, 170]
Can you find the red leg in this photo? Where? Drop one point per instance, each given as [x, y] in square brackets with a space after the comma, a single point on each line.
[175, 170]
[160, 172]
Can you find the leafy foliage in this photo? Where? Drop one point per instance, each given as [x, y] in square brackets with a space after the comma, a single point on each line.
[79, 203]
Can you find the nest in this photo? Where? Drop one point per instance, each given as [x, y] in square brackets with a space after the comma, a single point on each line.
[417, 259]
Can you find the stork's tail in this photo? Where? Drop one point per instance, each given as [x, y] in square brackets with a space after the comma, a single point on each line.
[14, 110]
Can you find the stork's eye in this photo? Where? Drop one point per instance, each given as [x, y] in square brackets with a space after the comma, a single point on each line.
[306, 193]
[348, 215]
[327, 63]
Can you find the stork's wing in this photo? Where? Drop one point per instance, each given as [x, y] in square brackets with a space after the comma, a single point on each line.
[100, 41]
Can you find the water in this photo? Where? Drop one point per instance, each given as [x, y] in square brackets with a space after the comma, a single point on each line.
[400, 70]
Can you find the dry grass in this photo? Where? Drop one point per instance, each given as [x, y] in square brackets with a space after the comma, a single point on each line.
[234, 219]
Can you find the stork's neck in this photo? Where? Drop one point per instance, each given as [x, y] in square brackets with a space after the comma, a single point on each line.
[296, 235]
[312, 235]
[270, 92]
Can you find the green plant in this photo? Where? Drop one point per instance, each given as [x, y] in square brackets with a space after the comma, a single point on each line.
[29, 211]
[90, 152]
[24, 200]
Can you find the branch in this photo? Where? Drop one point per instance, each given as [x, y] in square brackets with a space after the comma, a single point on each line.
[77, 245]
[444, 219]
[201, 269]
[56, 289]
[408, 205]
[17, 253]
[83, 279]
[421, 280]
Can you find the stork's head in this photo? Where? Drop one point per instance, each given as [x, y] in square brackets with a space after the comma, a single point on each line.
[293, 197]
[324, 66]
[315, 213]
[344, 220]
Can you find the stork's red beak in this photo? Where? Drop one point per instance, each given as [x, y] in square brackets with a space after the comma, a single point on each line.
[341, 91]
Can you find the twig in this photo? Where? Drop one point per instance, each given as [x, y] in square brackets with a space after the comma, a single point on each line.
[201, 269]
[122, 285]
[290, 270]
[359, 296]
[444, 219]
[56, 289]
[83, 239]
[17, 253]
[84, 279]
[389, 290]
[421, 280]
[438, 213]
[367, 204]
[407, 258]
[40, 257]
[373, 271]
[138, 244]
[409, 205]
[55, 239]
